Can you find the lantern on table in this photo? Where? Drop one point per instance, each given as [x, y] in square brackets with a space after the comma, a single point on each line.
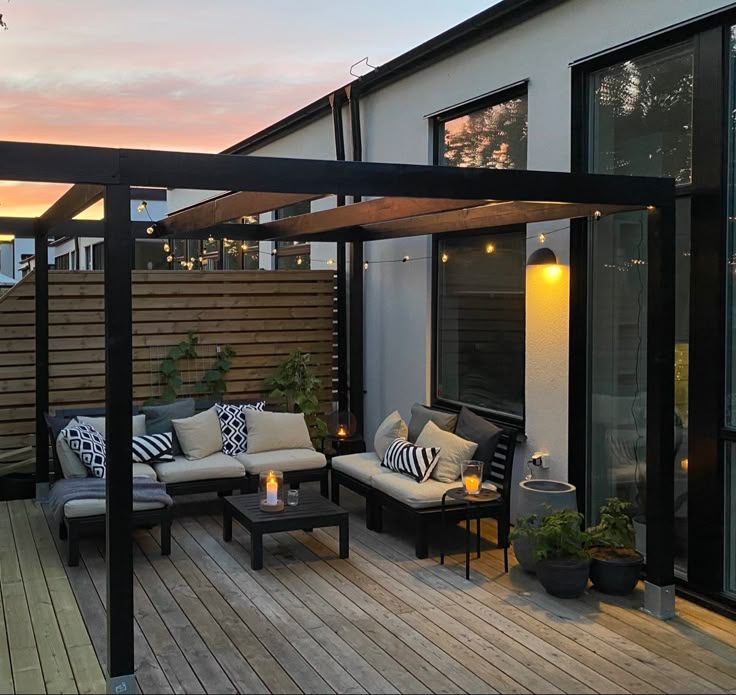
[472, 475]
[341, 424]
[271, 491]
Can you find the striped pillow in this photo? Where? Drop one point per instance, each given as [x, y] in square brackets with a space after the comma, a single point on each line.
[409, 459]
[152, 448]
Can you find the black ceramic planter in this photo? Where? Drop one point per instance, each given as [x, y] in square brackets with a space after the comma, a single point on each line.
[615, 575]
[564, 578]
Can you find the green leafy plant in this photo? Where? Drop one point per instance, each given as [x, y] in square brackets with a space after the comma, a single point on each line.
[211, 384]
[525, 527]
[213, 381]
[558, 536]
[615, 528]
[169, 372]
[296, 383]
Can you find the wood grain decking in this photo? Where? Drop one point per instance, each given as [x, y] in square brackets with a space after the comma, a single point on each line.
[380, 621]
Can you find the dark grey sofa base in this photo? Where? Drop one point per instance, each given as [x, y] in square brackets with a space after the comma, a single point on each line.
[72, 529]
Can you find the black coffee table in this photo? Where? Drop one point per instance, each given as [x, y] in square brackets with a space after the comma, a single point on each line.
[313, 511]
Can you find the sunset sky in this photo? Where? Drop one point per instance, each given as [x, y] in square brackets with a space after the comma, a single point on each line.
[184, 75]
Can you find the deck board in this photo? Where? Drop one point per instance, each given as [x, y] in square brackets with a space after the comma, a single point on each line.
[308, 622]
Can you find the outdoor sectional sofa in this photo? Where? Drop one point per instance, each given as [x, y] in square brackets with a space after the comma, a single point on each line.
[216, 472]
[420, 503]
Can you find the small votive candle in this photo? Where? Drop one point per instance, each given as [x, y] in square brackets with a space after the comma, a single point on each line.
[472, 475]
[472, 484]
[342, 431]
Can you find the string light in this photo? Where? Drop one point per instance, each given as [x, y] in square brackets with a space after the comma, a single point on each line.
[167, 248]
[274, 252]
[445, 257]
[598, 214]
[365, 265]
[244, 247]
[299, 260]
[405, 259]
[169, 258]
[541, 238]
[330, 261]
[211, 239]
[490, 247]
[150, 230]
[142, 206]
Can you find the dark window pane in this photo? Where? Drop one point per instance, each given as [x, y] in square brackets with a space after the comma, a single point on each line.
[293, 261]
[62, 262]
[150, 255]
[480, 321]
[494, 137]
[642, 116]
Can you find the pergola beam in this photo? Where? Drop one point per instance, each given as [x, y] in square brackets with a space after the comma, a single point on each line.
[73, 202]
[497, 214]
[79, 164]
[224, 208]
[368, 212]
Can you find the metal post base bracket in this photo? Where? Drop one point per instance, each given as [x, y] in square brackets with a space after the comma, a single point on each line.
[659, 601]
[122, 684]
[42, 492]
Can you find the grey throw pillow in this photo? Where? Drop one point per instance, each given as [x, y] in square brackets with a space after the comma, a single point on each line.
[475, 429]
[159, 417]
[421, 415]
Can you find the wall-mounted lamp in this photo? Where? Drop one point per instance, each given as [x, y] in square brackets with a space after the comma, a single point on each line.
[546, 257]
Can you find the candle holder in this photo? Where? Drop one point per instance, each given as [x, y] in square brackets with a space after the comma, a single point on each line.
[472, 475]
[271, 491]
[341, 424]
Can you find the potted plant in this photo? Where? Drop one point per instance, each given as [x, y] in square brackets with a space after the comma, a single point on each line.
[563, 564]
[296, 383]
[616, 566]
[525, 546]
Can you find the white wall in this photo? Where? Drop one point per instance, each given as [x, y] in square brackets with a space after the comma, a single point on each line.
[10, 256]
[397, 304]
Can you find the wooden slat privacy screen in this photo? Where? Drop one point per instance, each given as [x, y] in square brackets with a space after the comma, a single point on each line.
[262, 315]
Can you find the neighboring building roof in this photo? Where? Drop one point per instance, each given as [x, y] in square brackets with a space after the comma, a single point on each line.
[6, 280]
[497, 18]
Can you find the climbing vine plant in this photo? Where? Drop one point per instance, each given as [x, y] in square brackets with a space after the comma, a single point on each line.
[212, 382]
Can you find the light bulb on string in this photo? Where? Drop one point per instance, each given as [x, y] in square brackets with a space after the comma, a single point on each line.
[167, 248]
[541, 238]
[211, 239]
[142, 206]
[169, 259]
[405, 259]
[365, 265]
[490, 247]
[330, 261]
[299, 260]
[445, 257]
[244, 247]
[150, 230]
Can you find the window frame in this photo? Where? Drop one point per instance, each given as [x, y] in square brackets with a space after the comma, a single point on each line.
[498, 417]
[494, 98]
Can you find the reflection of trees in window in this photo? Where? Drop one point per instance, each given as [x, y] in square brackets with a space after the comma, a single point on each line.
[494, 137]
[643, 116]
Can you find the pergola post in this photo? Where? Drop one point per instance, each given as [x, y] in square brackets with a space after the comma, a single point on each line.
[659, 594]
[356, 332]
[118, 436]
[41, 236]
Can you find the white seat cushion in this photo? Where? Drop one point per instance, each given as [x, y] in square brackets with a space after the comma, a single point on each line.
[79, 508]
[283, 460]
[414, 494]
[362, 467]
[214, 466]
[143, 470]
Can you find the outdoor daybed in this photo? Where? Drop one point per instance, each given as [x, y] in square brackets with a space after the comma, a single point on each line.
[367, 474]
[198, 463]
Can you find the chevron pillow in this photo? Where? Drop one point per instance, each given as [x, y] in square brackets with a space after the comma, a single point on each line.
[87, 443]
[416, 461]
[152, 448]
[232, 425]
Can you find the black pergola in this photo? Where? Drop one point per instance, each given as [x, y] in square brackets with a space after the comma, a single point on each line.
[408, 200]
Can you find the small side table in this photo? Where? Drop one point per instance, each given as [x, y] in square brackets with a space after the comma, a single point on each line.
[480, 505]
[342, 446]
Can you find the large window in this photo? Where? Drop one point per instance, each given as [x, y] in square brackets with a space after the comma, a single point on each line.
[642, 121]
[480, 283]
[493, 135]
[480, 322]
[641, 118]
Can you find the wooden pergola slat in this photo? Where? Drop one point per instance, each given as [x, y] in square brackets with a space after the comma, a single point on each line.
[76, 200]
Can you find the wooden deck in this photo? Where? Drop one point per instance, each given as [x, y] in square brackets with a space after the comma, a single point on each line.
[379, 622]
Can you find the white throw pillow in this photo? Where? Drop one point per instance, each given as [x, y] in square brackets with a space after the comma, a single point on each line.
[273, 431]
[392, 428]
[453, 451]
[199, 435]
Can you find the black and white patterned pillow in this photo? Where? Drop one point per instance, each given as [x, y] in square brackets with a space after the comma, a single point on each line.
[152, 448]
[407, 458]
[87, 443]
[232, 425]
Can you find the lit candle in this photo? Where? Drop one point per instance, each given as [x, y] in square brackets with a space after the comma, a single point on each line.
[342, 431]
[272, 490]
[472, 483]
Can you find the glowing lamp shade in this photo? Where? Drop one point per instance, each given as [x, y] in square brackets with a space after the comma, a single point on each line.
[342, 424]
[546, 259]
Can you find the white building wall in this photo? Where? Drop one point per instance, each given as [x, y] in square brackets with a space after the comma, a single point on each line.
[398, 295]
